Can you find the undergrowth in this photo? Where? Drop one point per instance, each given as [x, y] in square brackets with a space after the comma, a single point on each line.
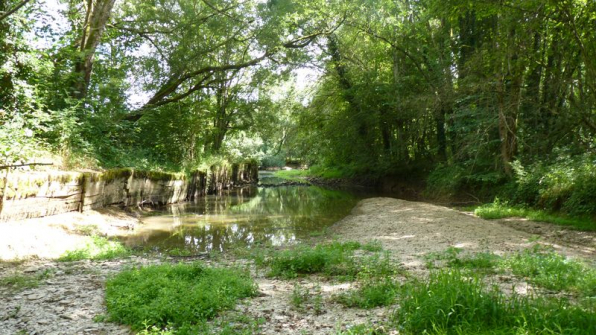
[177, 298]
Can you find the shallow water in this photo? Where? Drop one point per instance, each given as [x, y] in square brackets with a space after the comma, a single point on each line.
[243, 217]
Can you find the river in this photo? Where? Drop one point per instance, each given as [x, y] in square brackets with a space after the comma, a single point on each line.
[243, 217]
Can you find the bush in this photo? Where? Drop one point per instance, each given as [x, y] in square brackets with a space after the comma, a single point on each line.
[174, 296]
[568, 185]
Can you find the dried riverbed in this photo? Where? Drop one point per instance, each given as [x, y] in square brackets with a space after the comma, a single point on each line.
[68, 298]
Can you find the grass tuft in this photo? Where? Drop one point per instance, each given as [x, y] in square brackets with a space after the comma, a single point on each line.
[19, 281]
[451, 257]
[372, 294]
[100, 248]
[332, 260]
[180, 297]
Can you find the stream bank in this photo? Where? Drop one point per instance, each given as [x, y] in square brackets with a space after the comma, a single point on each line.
[34, 194]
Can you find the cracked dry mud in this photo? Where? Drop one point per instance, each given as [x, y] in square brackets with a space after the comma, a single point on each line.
[71, 299]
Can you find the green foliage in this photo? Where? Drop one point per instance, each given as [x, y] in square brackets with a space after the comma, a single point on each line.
[373, 293]
[99, 248]
[316, 172]
[452, 302]
[568, 185]
[333, 260]
[499, 209]
[176, 298]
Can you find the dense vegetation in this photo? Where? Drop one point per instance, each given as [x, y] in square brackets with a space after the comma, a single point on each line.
[489, 98]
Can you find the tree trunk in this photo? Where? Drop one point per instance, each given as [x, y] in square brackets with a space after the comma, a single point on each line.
[96, 17]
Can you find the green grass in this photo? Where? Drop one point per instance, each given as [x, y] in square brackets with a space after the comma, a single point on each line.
[452, 302]
[332, 260]
[293, 175]
[373, 246]
[538, 266]
[372, 294]
[302, 297]
[315, 171]
[99, 248]
[453, 258]
[499, 210]
[552, 271]
[19, 281]
[176, 298]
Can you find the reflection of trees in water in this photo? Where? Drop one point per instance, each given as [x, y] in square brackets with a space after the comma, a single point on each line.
[216, 237]
[278, 214]
[297, 201]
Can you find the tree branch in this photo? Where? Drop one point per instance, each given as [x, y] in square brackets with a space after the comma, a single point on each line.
[17, 7]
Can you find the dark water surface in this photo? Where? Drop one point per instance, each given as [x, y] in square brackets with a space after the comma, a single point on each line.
[243, 217]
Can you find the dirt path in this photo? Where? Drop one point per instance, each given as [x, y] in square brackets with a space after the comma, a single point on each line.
[70, 295]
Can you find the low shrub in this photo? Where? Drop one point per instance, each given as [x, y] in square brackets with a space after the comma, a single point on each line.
[177, 297]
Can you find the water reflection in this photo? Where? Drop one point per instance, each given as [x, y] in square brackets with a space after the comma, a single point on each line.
[244, 217]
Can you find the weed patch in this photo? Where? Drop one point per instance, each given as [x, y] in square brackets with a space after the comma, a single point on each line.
[180, 297]
[500, 210]
[332, 260]
[552, 271]
[372, 294]
[302, 297]
[452, 257]
[19, 282]
[100, 248]
[454, 303]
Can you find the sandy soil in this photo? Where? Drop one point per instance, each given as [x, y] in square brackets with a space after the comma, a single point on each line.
[51, 236]
[68, 300]
[412, 229]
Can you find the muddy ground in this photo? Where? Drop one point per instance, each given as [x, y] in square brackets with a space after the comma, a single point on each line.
[69, 297]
